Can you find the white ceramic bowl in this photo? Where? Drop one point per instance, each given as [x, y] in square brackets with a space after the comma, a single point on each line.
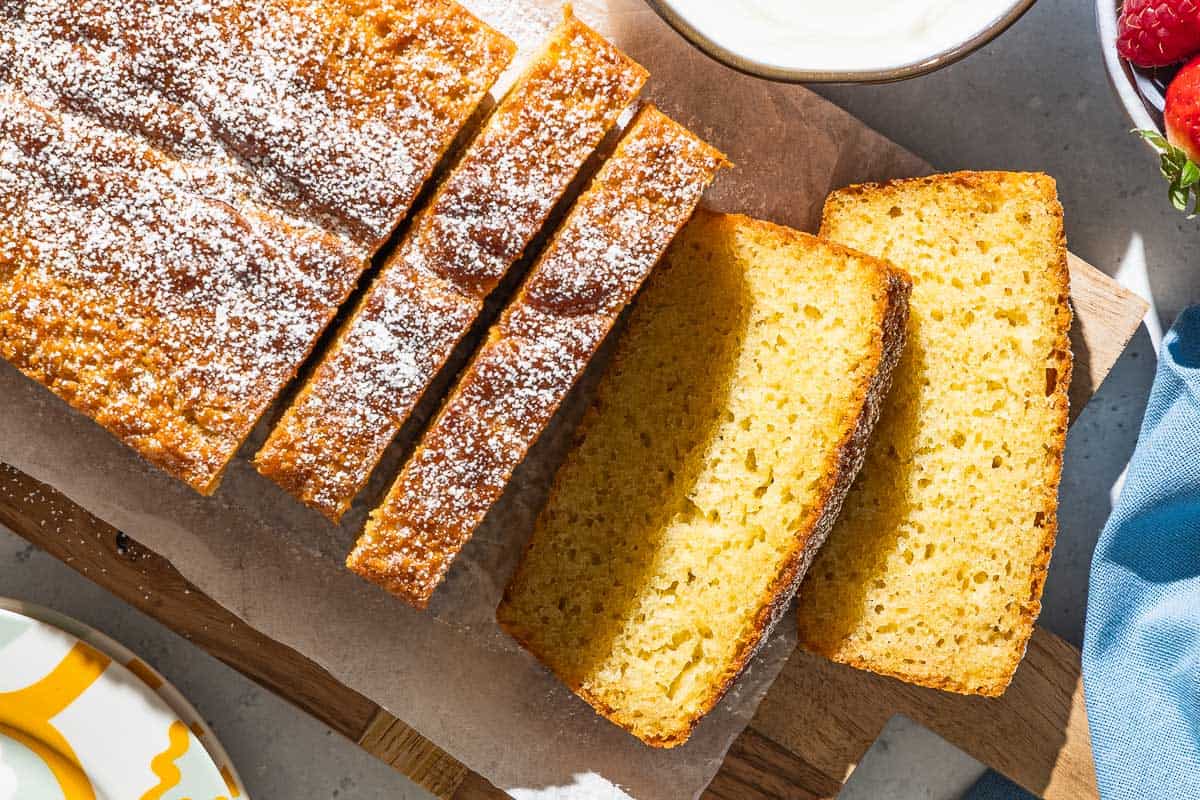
[697, 21]
[1140, 91]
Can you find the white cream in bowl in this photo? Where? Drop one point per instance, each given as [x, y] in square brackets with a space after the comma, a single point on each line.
[840, 35]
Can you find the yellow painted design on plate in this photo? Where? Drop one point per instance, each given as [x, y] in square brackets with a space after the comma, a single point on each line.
[25, 716]
[163, 764]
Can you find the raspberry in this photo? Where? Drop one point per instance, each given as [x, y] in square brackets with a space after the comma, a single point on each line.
[1155, 33]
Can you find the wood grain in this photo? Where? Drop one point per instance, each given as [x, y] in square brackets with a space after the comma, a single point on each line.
[395, 743]
[1106, 317]
[810, 732]
[827, 715]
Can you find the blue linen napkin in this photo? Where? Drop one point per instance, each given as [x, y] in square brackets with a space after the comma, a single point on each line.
[1141, 650]
[994, 786]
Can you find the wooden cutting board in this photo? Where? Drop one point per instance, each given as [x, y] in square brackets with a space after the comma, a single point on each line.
[814, 726]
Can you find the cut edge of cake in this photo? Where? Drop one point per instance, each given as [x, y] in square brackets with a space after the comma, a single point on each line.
[555, 313]
[1064, 364]
[845, 463]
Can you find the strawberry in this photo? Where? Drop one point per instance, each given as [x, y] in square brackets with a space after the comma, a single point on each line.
[1155, 33]
[1180, 148]
[1182, 112]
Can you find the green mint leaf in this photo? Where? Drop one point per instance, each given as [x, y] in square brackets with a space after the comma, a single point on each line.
[1153, 137]
[1168, 168]
[1181, 173]
[1189, 175]
[1179, 198]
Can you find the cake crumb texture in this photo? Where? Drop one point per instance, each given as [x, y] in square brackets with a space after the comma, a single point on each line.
[723, 436]
[614, 234]
[477, 224]
[934, 572]
[189, 190]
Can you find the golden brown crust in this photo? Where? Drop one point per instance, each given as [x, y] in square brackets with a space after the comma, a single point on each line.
[1031, 604]
[473, 230]
[844, 464]
[190, 193]
[597, 260]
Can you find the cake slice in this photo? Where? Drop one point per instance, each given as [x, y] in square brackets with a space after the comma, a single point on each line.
[188, 191]
[460, 245]
[710, 469]
[934, 572]
[615, 232]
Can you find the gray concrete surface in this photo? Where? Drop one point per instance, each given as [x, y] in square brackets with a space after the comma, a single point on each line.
[1035, 99]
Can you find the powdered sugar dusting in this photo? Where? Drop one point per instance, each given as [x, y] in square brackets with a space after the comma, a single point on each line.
[607, 246]
[475, 227]
[524, 23]
[190, 188]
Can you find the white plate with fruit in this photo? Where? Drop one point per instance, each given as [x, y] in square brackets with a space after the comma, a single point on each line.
[1152, 51]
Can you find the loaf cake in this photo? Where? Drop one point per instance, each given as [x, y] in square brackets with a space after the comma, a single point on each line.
[614, 234]
[723, 437]
[460, 245]
[934, 572]
[188, 191]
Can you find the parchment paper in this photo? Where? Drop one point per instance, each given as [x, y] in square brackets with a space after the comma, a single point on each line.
[451, 673]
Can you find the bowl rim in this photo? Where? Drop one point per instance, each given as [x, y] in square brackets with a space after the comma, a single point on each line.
[1119, 72]
[743, 63]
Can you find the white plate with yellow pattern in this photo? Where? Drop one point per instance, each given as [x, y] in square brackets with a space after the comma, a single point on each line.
[82, 718]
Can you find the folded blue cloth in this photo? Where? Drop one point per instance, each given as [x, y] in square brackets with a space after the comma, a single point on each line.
[994, 786]
[1141, 651]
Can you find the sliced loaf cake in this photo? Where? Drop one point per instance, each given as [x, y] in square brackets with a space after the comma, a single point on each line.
[614, 234]
[934, 572]
[724, 435]
[189, 191]
[462, 243]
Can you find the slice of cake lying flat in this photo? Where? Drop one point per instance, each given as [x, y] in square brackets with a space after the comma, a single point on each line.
[728, 428]
[188, 191]
[934, 572]
[614, 234]
[460, 245]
